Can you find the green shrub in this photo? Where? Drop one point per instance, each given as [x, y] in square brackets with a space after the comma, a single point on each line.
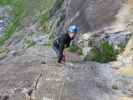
[105, 53]
[75, 49]
[44, 16]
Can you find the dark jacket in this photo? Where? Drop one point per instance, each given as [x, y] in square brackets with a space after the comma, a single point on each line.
[61, 43]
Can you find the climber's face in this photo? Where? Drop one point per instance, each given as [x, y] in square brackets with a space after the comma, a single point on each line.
[71, 35]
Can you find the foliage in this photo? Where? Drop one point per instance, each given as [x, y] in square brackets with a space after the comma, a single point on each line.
[75, 49]
[22, 8]
[17, 13]
[43, 19]
[105, 53]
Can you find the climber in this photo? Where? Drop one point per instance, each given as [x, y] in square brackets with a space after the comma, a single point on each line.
[63, 41]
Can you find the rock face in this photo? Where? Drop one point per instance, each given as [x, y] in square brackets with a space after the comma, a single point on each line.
[94, 13]
[23, 77]
[33, 71]
[129, 49]
[127, 56]
[5, 18]
[91, 15]
[125, 21]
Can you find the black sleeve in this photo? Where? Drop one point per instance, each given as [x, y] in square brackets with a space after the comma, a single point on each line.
[61, 48]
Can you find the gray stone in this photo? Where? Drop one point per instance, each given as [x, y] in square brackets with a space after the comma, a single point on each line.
[89, 15]
[118, 38]
[41, 40]
[4, 18]
[86, 51]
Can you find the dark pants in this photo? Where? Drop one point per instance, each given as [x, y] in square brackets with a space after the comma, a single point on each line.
[57, 51]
